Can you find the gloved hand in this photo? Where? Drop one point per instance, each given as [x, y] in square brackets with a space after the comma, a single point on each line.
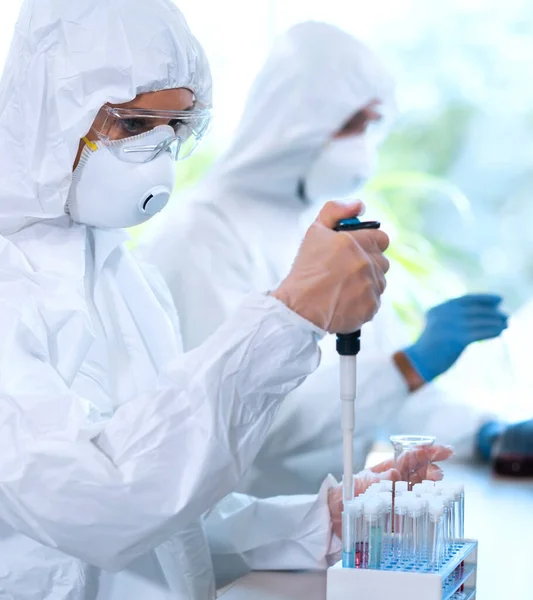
[450, 328]
[516, 439]
[487, 436]
[338, 277]
[415, 465]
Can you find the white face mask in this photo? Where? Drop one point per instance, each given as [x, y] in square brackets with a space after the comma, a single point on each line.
[110, 193]
[343, 167]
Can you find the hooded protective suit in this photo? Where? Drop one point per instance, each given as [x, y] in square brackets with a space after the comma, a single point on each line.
[239, 230]
[113, 443]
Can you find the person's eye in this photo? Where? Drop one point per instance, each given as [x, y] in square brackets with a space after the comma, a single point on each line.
[176, 124]
[133, 126]
[358, 128]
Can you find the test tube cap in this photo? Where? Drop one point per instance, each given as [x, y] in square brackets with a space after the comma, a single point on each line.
[428, 483]
[409, 494]
[373, 507]
[401, 486]
[419, 488]
[414, 506]
[425, 500]
[356, 506]
[436, 509]
[448, 497]
[386, 485]
[387, 498]
[458, 489]
[400, 505]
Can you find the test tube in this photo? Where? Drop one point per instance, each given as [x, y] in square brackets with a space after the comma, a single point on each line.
[386, 498]
[399, 488]
[410, 530]
[400, 538]
[459, 507]
[357, 509]
[373, 525]
[445, 523]
[414, 520]
[459, 490]
[348, 539]
[436, 512]
[424, 502]
[429, 483]
[448, 499]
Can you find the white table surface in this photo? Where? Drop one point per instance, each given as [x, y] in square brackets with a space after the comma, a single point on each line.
[498, 513]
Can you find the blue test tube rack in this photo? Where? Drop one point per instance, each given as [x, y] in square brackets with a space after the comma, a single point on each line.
[454, 579]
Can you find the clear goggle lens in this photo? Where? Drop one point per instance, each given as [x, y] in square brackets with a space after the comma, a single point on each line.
[176, 132]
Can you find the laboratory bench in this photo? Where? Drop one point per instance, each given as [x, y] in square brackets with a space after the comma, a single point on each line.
[498, 513]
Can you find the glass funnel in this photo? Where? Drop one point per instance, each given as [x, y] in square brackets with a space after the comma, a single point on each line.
[408, 458]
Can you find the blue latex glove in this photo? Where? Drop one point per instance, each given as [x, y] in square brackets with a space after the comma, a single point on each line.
[517, 439]
[487, 435]
[451, 327]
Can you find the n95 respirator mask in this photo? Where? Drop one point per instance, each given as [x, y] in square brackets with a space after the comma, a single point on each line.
[111, 193]
[343, 167]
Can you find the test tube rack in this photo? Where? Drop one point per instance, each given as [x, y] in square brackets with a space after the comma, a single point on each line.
[454, 580]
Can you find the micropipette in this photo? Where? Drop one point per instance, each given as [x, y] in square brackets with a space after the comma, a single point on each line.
[348, 346]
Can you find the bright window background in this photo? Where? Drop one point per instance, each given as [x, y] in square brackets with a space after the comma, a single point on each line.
[456, 180]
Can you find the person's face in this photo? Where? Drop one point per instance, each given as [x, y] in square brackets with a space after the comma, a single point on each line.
[177, 99]
[359, 122]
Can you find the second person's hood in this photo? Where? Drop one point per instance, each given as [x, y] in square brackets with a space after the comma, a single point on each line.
[316, 77]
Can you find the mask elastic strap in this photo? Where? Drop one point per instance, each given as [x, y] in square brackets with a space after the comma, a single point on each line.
[92, 145]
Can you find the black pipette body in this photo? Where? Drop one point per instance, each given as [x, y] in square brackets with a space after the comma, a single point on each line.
[349, 344]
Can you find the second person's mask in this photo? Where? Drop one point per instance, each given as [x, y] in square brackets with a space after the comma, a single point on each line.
[343, 166]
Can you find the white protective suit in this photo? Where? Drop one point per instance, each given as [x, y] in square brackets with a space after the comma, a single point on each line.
[113, 443]
[239, 230]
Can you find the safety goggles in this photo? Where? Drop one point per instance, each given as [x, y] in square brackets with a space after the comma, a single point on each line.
[140, 135]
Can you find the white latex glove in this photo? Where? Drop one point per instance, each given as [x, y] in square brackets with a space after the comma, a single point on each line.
[417, 464]
[337, 277]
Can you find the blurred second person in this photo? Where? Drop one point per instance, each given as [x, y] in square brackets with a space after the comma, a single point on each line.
[310, 131]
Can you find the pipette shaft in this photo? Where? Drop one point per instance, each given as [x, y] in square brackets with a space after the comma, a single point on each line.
[348, 381]
[347, 385]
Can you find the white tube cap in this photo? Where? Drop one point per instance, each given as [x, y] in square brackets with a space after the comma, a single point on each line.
[400, 505]
[425, 500]
[401, 486]
[373, 508]
[419, 488]
[414, 506]
[409, 495]
[387, 499]
[386, 485]
[448, 497]
[435, 509]
[375, 488]
[355, 507]
[458, 489]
